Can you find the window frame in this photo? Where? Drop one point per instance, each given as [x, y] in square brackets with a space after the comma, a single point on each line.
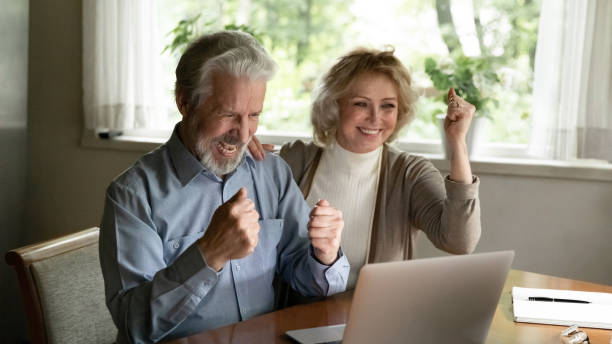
[518, 166]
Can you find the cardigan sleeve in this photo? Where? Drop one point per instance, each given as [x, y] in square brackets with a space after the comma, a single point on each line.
[448, 212]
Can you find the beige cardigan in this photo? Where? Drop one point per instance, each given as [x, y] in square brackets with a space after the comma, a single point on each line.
[411, 195]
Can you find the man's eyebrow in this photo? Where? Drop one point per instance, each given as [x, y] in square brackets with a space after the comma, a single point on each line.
[231, 112]
[224, 110]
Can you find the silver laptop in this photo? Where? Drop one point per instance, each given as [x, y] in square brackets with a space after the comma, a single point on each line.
[435, 300]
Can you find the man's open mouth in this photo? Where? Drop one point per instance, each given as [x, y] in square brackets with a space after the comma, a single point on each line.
[226, 149]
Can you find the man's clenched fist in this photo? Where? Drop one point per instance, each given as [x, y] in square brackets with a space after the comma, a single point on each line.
[233, 232]
[325, 230]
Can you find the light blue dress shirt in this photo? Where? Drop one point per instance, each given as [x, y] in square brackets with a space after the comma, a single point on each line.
[157, 283]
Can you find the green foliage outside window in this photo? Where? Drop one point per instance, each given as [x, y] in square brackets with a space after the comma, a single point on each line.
[306, 36]
[188, 29]
[464, 73]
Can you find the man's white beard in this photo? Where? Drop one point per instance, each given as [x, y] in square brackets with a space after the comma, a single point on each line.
[204, 148]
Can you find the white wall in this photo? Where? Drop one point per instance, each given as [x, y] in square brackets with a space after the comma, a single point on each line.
[13, 98]
[559, 226]
[65, 182]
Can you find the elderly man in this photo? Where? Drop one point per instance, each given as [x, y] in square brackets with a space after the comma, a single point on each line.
[194, 232]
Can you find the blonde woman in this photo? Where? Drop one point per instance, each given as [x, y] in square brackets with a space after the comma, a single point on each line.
[386, 195]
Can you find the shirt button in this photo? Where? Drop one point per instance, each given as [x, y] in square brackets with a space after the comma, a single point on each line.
[175, 245]
[237, 267]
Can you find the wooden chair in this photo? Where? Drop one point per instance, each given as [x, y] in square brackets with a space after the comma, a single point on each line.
[63, 290]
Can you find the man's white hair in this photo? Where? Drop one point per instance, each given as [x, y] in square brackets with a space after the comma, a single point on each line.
[234, 53]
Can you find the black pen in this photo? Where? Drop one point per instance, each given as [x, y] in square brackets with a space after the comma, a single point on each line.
[550, 299]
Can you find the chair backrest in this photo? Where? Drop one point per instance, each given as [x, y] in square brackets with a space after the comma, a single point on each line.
[63, 290]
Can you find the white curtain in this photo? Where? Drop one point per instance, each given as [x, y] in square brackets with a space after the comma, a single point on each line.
[572, 112]
[122, 81]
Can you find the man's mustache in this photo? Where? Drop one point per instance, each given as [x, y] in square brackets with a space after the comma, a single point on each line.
[230, 140]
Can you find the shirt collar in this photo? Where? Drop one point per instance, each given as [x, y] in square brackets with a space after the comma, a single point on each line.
[186, 165]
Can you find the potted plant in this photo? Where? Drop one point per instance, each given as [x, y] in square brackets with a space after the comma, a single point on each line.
[468, 75]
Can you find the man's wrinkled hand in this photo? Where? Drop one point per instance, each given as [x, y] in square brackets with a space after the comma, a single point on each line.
[233, 232]
[325, 231]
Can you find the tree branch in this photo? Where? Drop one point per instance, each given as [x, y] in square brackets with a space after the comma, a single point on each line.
[447, 26]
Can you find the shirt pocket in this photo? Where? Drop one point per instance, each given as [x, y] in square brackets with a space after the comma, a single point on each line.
[175, 246]
[270, 231]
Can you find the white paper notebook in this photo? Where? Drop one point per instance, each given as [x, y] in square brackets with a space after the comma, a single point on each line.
[596, 314]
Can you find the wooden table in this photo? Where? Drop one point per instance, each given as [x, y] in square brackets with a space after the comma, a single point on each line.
[270, 328]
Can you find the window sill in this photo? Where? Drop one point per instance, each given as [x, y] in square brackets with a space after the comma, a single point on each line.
[121, 143]
[579, 170]
[595, 171]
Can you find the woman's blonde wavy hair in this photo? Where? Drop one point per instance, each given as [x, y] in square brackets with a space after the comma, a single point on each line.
[325, 114]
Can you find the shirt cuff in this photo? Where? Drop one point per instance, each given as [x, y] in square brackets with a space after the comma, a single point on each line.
[461, 191]
[191, 268]
[335, 275]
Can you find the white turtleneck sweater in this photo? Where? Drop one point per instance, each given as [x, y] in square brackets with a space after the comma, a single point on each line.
[349, 182]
